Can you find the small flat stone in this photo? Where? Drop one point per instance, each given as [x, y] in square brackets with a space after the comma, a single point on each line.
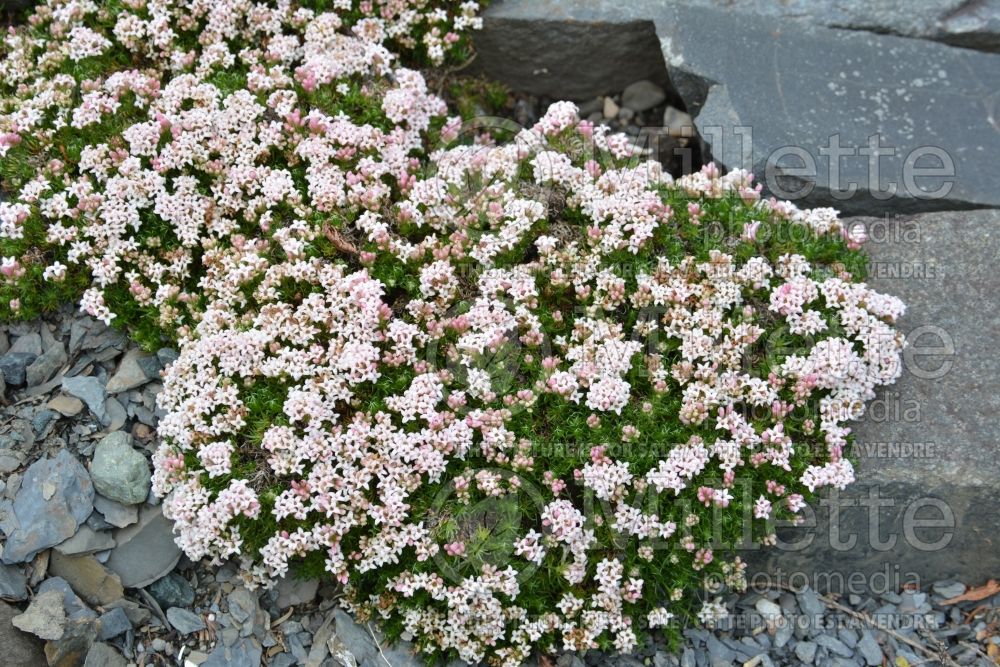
[113, 623]
[116, 415]
[45, 366]
[805, 651]
[13, 583]
[948, 590]
[246, 652]
[869, 648]
[137, 615]
[172, 590]
[10, 461]
[184, 621]
[43, 422]
[810, 603]
[119, 471]
[144, 551]
[85, 541]
[90, 391]
[14, 365]
[642, 95]
[104, 655]
[30, 343]
[834, 645]
[87, 577]
[115, 513]
[242, 604]
[56, 496]
[67, 406]
[611, 109]
[166, 356]
[44, 617]
[135, 370]
[292, 591]
[769, 610]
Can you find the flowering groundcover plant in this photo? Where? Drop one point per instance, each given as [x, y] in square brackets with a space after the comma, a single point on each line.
[514, 396]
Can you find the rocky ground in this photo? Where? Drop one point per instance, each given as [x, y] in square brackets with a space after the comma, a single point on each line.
[90, 576]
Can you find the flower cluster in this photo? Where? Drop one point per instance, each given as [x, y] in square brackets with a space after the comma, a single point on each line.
[490, 388]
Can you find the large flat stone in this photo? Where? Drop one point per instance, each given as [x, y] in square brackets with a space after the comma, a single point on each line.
[145, 551]
[55, 497]
[928, 449]
[974, 25]
[758, 85]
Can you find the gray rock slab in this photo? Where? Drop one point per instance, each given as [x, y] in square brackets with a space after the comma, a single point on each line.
[104, 655]
[90, 391]
[19, 648]
[779, 94]
[45, 366]
[55, 497]
[113, 623]
[44, 617]
[144, 551]
[30, 343]
[75, 607]
[116, 513]
[246, 651]
[928, 449]
[184, 621]
[293, 591]
[13, 583]
[13, 365]
[973, 25]
[359, 642]
[86, 541]
[577, 60]
[172, 590]
[135, 370]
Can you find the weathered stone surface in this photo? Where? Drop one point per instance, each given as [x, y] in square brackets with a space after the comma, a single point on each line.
[642, 95]
[973, 25]
[359, 642]
[67, 406]
[55, 497]
[104, 655]
[184, 621]
[88, 578]
[135, 370]
[172, 590]
[85, 541]
[75, 607]
[780, 84]
[45, 366]
[44, 617]
[246, 651]
[115, 513]
[13, 584]
[72, 649]
[29, 343]
[293, 591]
[579, 60]
[120, 472]
[113, 623]
[928, 449]
[19, 648]
[145, 551]
[90, 391]
[13, 366]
